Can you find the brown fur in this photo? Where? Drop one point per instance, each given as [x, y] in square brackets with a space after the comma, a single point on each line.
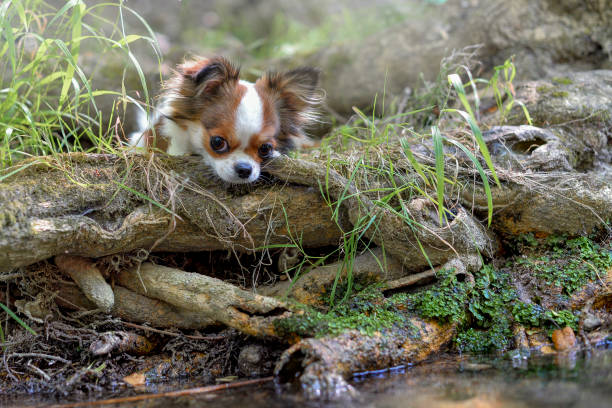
[207, 91]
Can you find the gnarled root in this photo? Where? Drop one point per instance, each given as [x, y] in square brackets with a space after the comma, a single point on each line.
[320, 364]
[214, 299]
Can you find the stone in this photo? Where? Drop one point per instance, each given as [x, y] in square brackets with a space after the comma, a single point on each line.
[564, 339]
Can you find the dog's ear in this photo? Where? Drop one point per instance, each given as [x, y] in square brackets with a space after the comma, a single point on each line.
[208, 75]
[296, 95]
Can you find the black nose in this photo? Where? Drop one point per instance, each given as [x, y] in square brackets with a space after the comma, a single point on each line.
[243, 169]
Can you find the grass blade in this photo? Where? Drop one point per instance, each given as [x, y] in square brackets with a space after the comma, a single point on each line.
[483, 176]
[482, 146]
[147, 198]
[17, 319]
[439, 155]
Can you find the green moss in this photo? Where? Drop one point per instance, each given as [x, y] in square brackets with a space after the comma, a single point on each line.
[367, 311]
[485, 312]
[568, 264]
[560, 94]
[544, 89]
[444, 301]
[563, 80]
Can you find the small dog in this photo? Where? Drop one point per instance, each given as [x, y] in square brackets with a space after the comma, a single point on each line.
[233, 124]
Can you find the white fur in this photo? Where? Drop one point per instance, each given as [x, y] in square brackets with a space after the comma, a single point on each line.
[135, 137]
[249, 121]
[249, 115]
[225, 167]
[183, 141]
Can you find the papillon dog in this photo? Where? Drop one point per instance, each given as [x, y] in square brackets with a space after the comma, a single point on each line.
[235, 125]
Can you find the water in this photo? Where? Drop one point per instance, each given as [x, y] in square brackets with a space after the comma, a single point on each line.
[571, 380]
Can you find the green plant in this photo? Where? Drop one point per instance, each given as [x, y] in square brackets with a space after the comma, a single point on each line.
[444, 301]
[47, 102]
[365, 310]
[16, 318]
[569, 263]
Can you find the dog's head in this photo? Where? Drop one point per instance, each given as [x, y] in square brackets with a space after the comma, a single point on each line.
[237, 125]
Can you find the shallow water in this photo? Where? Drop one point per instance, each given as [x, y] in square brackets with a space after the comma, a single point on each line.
[570, 380]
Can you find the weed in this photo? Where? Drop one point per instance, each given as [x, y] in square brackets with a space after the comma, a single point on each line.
[47, 102]
[568, 263]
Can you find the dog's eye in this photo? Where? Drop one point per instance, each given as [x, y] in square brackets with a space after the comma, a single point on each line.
[219, 144]
[265, 150]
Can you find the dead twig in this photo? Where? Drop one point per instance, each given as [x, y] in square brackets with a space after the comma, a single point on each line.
[39, 355]
[171, 394]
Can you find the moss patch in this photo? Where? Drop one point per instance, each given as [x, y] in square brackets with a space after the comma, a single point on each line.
[485, 311]
[444, 301]
[568, 264]
[367, 311]
[560, 94]
[562, 80]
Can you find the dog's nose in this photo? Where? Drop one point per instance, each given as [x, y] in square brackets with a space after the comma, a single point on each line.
[243, 169]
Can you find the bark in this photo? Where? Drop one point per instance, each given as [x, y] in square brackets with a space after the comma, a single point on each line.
[97, 205]
[322, 365]
[132, 307]
[310, 289]
[87, 277]
[93, 205]
[219, 301]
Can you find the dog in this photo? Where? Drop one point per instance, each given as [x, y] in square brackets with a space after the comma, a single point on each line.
[234, 125]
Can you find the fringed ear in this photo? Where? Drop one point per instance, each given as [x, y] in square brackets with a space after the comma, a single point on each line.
[297, 95]
[208, 75]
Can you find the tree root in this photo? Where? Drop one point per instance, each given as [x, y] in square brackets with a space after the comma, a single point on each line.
[132, 307]
[322, 365]
[88, 277]
[371, 266]
[214, 299]
[408, 240]
[461, 266]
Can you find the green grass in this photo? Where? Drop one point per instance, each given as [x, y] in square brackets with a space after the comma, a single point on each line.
[48, 103]
[47, 100]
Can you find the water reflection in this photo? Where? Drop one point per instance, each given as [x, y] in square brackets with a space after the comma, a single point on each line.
[575, 379]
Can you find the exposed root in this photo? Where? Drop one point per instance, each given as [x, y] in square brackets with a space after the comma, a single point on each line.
[320, 365]
[372, 266]
[460, 266]
[121, 342]
[134, 307]
[214, 299]
[417, 244]
[88, 277]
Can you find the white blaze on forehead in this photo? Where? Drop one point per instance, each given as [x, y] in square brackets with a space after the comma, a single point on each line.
[249, 115]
